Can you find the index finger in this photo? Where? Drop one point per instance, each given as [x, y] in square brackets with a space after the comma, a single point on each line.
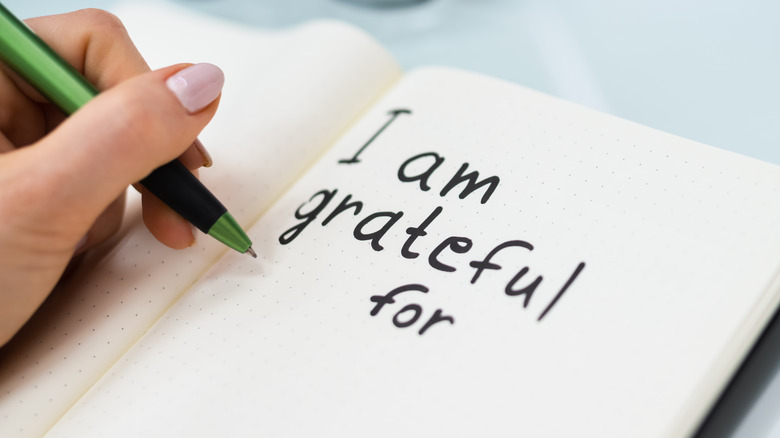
[93, 41]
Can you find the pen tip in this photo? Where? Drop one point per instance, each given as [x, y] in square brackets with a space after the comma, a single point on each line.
[251, 252]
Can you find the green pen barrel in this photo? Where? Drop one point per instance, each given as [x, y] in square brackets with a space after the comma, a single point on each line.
[25, 52]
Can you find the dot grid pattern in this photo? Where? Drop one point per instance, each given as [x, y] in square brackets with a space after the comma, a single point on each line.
[678, 240]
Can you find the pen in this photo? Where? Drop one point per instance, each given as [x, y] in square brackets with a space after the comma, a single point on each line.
[32, 59]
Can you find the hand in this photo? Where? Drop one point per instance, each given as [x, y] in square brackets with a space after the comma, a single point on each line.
[62, 182]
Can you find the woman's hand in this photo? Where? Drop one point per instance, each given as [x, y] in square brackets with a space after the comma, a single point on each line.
[62, 181]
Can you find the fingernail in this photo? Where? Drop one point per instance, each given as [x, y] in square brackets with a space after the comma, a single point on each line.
[207, 161]
[194, 236]
[197, 86]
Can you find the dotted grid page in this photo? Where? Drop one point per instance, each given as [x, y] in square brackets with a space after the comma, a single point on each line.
[586, 283]
[288, 95]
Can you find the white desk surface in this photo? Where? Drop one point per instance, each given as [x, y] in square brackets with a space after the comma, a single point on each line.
[705, 70]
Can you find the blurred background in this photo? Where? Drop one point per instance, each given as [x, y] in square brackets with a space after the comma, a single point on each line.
[708, 71]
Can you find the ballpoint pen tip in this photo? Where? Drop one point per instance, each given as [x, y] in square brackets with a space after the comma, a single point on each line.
[251, 252]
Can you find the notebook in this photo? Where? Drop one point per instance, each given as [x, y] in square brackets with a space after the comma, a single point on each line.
[440, 254]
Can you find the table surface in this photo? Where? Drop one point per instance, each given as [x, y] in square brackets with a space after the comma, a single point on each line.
[707, 71]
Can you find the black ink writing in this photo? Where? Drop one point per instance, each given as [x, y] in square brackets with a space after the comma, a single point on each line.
[394, 114]
[343, 206]
[410, 313]
[458, 245]
[374, 227]
[380, 228]
[471, 183]
[418, 231]
[290, 235]
[560, 293]
[486, 262]
[527, 290]
[375, 236]
[422, 176]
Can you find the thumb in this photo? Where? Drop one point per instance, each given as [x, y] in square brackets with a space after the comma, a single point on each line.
[120, 137]
[51, 192]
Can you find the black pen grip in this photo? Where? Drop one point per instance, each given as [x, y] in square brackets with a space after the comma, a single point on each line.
[178, 188]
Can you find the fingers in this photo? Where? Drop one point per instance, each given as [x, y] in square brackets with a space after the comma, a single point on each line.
[105, 226]
[21, 120]
[68, 184]
[94, 42]
[5, 144]
[165, 224]
[116, 139]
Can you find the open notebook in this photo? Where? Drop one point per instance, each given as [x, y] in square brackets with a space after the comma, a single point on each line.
[440, 254]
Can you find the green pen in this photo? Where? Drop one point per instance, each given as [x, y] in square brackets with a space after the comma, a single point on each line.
[32, 59]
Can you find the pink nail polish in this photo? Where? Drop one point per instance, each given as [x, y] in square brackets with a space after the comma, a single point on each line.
[207, 161]
[194, 236]
[197, 86]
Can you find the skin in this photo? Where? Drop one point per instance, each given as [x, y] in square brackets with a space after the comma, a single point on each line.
[62, 182]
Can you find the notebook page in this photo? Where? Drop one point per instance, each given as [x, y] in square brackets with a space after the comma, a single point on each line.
[287, 95]
[589, 289]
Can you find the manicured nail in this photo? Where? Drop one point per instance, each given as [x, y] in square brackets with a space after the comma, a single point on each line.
[197, 86]
[207, 161]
